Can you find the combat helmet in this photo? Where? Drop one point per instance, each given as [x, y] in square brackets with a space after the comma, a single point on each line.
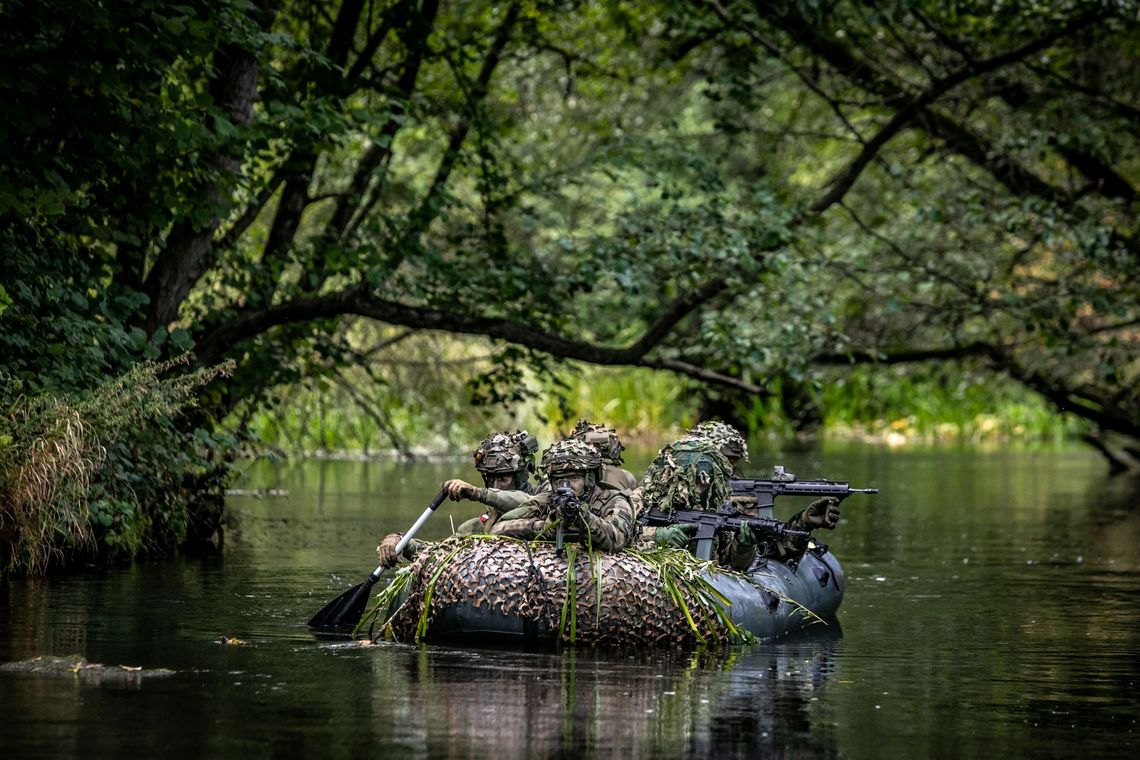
[604, 439]
[690, 473]
[724, 436]
[504, 453]
[569, 456]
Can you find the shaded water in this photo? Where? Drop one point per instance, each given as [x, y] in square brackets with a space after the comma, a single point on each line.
[992, 609]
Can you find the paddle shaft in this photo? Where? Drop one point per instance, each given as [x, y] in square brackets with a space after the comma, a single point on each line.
[412, 531]
[347, 608]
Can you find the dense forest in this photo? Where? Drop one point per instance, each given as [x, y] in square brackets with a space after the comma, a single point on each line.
[205, 204]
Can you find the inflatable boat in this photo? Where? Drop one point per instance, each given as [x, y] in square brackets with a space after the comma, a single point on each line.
[495, 588]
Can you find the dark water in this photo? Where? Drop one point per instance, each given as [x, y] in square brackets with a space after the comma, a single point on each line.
[992, 610]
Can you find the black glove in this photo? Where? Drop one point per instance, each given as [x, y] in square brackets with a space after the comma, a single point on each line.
[566, 505]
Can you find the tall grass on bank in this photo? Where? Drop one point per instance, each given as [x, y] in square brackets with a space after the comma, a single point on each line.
[46, 462]
[53, 457]
[896, 406]
[420, 407]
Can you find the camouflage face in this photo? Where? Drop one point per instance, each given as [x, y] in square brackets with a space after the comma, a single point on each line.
[571, 455]
[725, 437]
[602, 438]
[687, 474]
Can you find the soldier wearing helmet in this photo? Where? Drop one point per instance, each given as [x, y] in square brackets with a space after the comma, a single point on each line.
[693, 474]
[822, 513]
[505, 461]
[587, 509]
[609, 446]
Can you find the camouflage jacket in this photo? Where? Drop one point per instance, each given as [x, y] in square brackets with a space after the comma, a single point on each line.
[618, 477]
[608, 518]
[498, 503]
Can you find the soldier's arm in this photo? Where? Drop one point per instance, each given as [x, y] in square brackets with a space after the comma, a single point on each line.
[502, 501]
[614, 529]
[526, 522]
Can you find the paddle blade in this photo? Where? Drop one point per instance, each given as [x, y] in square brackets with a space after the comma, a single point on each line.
[346, 610]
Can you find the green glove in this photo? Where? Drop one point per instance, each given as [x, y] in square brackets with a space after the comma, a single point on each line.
[821, 513]
[676, 536]
[748, 537]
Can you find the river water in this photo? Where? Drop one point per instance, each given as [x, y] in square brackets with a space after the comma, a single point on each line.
[992, 610]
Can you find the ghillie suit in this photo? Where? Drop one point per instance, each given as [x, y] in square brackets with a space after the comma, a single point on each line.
[687, 474]
[692, 473]
[661, 596]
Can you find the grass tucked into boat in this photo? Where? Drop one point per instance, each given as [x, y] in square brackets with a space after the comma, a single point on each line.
[671, 590]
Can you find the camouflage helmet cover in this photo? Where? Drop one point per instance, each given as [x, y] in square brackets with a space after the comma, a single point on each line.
[724, 436]
[571, 455]
[604, 439]
[687, 474]
[506, 452]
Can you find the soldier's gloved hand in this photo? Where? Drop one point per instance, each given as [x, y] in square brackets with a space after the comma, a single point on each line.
[821, 513]
[457, 489]
[567, 506]
[747, 536]
[386, 551]
[676, 536]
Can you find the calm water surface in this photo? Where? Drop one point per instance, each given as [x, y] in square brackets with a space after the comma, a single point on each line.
[992, 610]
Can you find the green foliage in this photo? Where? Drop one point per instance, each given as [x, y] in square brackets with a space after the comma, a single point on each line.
[103, 474]
[743, 197]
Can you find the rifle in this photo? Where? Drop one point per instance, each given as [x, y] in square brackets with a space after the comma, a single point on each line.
[567, 505]
[710, 523]
[785, 484]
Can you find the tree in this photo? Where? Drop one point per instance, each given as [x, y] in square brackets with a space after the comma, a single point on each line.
[739, 192]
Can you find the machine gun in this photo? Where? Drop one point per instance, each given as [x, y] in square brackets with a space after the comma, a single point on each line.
[785, 484]
[710, 523]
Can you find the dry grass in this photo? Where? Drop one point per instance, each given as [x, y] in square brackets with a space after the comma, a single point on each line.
[51, 449]
[44, 481]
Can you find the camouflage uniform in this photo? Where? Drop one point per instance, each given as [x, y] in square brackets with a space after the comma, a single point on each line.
[605, 521]
[499, 454]
[730, 443]
[693, 474]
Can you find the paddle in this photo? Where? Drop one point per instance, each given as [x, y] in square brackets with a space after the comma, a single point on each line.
[347, 608]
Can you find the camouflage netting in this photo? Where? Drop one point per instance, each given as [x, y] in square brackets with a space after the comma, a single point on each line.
[637, 605]
[724, 436]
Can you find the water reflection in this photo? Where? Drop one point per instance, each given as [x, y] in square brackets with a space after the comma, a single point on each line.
[992, 609]
[513, 703]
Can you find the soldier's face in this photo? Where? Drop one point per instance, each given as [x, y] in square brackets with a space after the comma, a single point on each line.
[575, 481]
[501, 480]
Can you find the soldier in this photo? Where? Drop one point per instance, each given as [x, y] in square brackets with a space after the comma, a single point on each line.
[597, 515]
[693, 474]
[605, 440]
[505, 461]
[822, 513]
